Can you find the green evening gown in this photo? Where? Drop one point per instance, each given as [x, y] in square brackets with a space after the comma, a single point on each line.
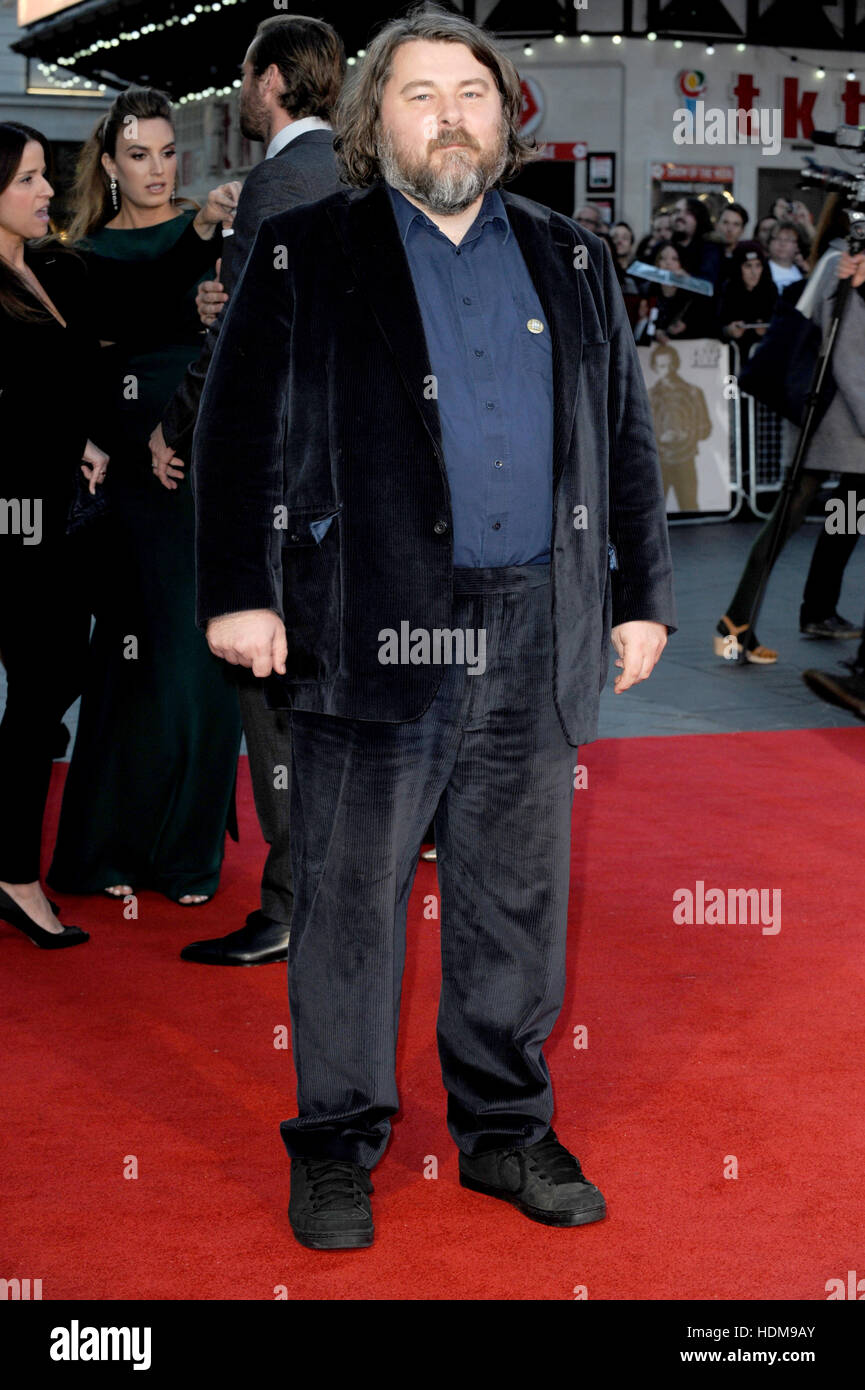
[150, 789]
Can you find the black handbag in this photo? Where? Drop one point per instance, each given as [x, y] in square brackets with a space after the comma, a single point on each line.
[780, 369]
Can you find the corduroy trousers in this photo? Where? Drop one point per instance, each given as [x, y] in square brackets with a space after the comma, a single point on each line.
[489, 762]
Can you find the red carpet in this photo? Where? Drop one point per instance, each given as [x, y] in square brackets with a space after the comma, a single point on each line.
[704, 1042]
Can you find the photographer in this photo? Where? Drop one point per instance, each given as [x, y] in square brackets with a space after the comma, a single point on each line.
[838, 441]
[849, 690]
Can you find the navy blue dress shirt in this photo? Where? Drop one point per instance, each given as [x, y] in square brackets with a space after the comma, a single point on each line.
[489, 348]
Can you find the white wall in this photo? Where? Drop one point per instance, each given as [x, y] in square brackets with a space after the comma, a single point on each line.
[622, 97]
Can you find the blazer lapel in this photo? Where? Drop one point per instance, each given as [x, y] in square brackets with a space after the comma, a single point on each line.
[548, 251]
[371, 239]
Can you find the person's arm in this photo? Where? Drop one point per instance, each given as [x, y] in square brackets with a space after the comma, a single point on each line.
[237, 457]
[179, 416]
[642, 589]
[849, 353]
[262, 196]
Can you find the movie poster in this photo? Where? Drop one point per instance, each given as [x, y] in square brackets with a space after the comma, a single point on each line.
[686, 384]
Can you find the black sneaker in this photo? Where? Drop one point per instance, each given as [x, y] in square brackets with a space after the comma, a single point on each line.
[833, 626]
[545, 1182]
[329, 1207]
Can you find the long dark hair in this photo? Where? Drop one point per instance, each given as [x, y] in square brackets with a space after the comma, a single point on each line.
[16, 297]
[91, 191]
[358, 108]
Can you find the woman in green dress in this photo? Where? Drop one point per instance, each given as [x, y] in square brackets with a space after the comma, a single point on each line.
[150, 789]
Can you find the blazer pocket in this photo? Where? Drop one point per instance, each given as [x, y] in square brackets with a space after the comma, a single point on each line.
[312, 593]
[308, 525]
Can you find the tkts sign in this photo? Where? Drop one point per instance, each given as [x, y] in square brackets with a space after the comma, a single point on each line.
[797, 105]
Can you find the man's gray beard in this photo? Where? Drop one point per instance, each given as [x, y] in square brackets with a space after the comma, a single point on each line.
[454, 188]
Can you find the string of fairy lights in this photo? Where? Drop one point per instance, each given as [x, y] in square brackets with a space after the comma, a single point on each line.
[63, 65]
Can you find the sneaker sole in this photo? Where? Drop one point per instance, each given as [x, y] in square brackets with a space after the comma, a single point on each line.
[546, 1218]
[334, 1240]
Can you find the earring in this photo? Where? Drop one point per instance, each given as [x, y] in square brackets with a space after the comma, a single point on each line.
[114, 194]
[174, 193]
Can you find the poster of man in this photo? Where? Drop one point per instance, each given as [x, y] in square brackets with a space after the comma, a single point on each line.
[691, 418]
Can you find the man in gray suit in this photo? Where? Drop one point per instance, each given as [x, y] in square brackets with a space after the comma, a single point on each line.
[292, 76]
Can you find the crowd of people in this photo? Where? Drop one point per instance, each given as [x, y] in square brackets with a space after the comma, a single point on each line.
[743, 275]
[745, 279]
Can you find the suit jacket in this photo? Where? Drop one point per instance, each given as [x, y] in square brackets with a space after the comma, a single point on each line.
[302, 171]
[49, 386]
[319, 476]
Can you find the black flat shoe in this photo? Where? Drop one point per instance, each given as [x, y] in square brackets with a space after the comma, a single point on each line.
[545, 1182]
[833, 626]
[47, 940]
[329, 1207]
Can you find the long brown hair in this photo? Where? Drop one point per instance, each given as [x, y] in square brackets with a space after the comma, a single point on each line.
[358, 108]
[17, 299]
[91, 190]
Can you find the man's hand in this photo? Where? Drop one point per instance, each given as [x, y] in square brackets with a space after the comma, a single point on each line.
[852, 265]
[94, 466]
[255, 638]
[210, 297]
[165, 465]
[639, 645]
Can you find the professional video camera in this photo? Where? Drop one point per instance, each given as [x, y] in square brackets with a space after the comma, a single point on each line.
[848, 183]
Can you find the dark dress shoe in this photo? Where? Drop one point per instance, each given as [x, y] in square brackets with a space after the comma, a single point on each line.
[329, 1207]
[545, 1182]
[833, 626]
[261, 942]
[846, 691]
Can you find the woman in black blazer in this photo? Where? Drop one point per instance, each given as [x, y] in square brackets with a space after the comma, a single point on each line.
[48, 361]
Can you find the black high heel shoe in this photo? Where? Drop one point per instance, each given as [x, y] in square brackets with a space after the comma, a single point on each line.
[47, 940]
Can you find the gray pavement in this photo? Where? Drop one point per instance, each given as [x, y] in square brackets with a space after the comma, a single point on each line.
[694, 692]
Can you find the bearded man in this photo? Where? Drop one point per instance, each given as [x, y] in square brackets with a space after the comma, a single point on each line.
[427, 490]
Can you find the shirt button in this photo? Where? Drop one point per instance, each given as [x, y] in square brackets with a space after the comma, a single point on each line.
[497, 526]
[479, 352]
[466, 299]
[498, 463]
[490, 405]
[440, 528]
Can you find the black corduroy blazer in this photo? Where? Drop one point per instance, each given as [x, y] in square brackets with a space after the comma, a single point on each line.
[319, 477]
